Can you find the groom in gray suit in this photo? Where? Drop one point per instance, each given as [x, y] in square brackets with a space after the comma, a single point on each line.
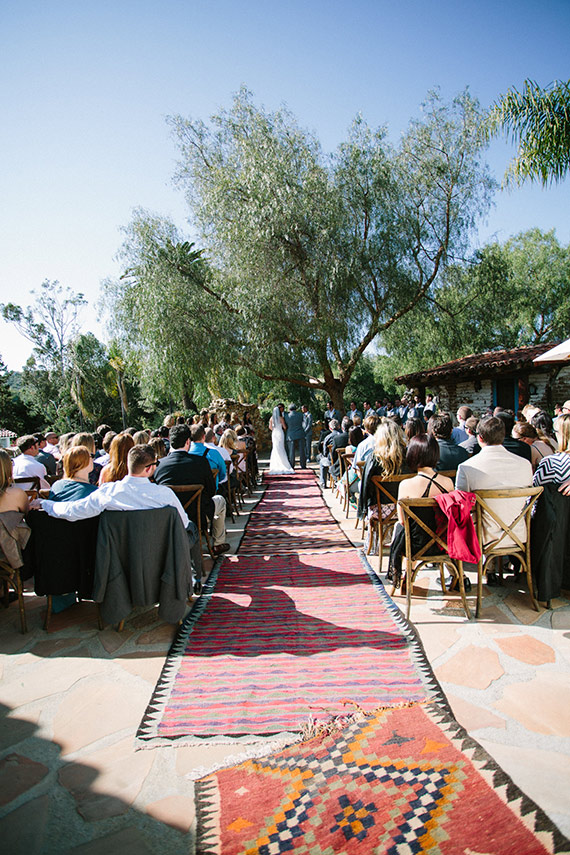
[295, 436]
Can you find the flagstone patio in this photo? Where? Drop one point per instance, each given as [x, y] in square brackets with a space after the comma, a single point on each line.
[72, 699]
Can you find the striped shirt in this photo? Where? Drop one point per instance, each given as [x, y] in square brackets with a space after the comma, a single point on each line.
[553, 469]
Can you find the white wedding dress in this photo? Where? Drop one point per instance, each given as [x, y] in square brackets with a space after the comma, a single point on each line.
[278, 462]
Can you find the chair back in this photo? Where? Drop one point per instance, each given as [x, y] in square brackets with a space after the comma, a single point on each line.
[188, 495]
[507, 539]
[436, 545]
[33, 485]
[381, 487]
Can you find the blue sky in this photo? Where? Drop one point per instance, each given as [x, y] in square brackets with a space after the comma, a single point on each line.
[86, 86]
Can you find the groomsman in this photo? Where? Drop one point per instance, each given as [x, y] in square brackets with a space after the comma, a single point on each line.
[308, 428]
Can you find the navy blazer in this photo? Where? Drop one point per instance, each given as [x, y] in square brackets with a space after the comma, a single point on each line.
[294, 422]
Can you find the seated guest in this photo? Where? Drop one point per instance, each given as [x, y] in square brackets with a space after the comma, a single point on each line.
[325, 461]
[542, 423]
[526, 432]
[365, 448]
[471, 430]
[26, 464]
[104, 457]
[510, 443]
[141, 437]
[52, 446]
[44, 456]
[157, 443]
[86, 439]
[555, 468]
[496, 468]
[414, 427]
[12, 498]
[213, 456]
[212, 441]
[64, 444]
[388, 458]
[14, 531]
[459, 434]
[234, 445]
[117, 468]
[422, 457]
[133, 493]
[180, 468]
[450, 454]
[340, 440]
[77, 464]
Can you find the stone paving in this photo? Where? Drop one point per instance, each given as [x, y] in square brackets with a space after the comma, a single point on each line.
[72, 698]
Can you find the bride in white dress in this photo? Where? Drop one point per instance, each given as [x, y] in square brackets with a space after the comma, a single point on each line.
[279, 462]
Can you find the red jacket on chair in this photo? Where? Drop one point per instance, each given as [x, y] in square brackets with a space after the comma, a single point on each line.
[455, 509]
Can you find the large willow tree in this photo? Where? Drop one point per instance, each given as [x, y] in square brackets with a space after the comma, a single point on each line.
[309, 256]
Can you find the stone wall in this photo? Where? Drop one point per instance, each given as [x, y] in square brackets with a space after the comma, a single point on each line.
[453, 393]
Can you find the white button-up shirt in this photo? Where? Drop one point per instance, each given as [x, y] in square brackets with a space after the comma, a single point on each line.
[26, 465]
[130, 494]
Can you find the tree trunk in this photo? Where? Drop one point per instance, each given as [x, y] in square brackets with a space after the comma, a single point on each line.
[335, 391]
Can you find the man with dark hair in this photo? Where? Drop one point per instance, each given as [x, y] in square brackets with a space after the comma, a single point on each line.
[516, 446]
[198, 446]
[44, 456]
[180, 468]
[331, 412]
[450, 454]
[495, 468]
[307, 430]
[26, 465]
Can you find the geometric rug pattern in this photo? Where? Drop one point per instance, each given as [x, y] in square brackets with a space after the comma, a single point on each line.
[292, 517]
[404, 780]
[278, 638]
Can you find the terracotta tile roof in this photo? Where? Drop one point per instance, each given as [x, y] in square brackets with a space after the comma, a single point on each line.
[492, 360]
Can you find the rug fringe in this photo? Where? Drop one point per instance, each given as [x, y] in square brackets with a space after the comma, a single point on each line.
[252, 753]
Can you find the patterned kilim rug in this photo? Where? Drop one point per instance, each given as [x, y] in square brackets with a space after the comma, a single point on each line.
[292, 517]
[403, 781]
[273, 641]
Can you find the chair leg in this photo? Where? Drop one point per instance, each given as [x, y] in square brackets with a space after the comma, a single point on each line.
[48, 612]
[120, 626]
[462, 588]
[20, 593]
[530, 583]
[479, 587]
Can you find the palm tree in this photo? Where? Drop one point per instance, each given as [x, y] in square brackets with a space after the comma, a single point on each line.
[538, 120]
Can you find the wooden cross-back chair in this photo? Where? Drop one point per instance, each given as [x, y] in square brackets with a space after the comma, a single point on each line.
[378, 525]
[508, 542]
[340, 452]
[230, 498]
[188, 494]
[33, 490]
[10, 578]
[342, 492]
[244, 475]
[434, 551]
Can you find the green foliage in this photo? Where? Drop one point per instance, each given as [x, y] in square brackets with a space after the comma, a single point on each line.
[538, 120]
[507, 296]
[14, 414]
[309, 256]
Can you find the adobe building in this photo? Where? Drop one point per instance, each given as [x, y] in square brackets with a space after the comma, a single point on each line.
[497, 378]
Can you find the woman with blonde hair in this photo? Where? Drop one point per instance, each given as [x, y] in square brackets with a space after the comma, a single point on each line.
[157, 443]
[116, 468]
[388, 458]
[233, 444]
[555, 469]
[141, 437]
[77, 465]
